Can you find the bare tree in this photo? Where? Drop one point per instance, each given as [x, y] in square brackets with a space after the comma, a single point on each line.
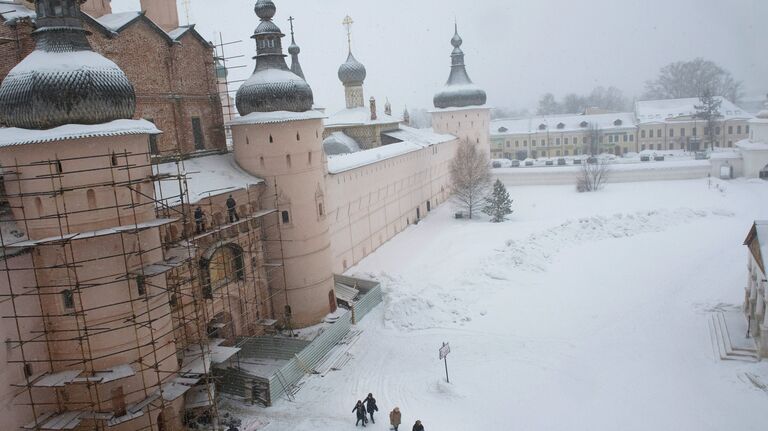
[548, 105]
[709, 111]
[470, 177]
[592, 176]
[690, 78]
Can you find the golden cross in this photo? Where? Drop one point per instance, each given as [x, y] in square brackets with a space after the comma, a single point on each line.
[348, 25]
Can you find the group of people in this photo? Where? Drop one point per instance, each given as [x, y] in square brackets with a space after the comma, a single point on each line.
[231, 212]
[367, 407]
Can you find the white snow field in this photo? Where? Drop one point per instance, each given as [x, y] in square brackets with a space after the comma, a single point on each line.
[582, 312]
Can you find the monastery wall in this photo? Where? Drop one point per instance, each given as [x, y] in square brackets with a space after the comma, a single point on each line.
[369, 205]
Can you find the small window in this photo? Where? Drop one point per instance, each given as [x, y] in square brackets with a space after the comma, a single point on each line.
[682, 132]
[561, 126]
[542, 126]
[642, 133]
[141, 285]
[618, 123]
[747, 131]
[288, 160]
[671, 133]
[91, 196]
[68, 298]
[298, 137]
[738, 130]
[584, 124]
[114, 158]
[658, 133]
[309, 157]
[197, 132]
[28, 369]
[271, 140]
[152, 141]
[286, 216]
[59, 168]
[320, 209]
[717, 130]
[730, 130]
[695, 131]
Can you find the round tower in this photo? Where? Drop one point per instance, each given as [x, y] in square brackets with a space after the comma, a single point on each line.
[460, 105]
[352, 73]
[79, 183]
[279, 138]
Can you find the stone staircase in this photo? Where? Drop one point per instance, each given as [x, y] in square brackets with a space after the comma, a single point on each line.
[722, 339]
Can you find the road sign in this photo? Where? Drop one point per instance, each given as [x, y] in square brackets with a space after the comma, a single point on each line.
[445, 350]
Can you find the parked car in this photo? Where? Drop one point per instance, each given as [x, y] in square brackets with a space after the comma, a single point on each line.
[658, 158]
[515, 163]
[560, 162]
[645, 158]
[549, 163]
[576, 161]
[529, 163]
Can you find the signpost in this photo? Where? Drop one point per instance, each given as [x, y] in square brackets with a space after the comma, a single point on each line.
[444, 351]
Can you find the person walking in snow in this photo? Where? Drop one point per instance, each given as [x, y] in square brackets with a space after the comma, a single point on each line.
[360, 410]
[418, 426]
[395, 418]
[232, 210]
[370, 404]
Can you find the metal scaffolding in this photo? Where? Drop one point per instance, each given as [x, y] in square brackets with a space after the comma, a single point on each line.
[122, 323]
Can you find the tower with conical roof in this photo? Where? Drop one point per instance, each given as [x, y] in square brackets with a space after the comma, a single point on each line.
[81, 188]
[279, 138]
[460, 105]
[294, 50]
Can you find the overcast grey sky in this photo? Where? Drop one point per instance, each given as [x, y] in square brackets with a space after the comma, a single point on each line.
[515, 49]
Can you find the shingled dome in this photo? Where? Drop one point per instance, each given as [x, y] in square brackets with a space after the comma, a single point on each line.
[273, 86]
[459, 91]
[63, 81]
[352, 72]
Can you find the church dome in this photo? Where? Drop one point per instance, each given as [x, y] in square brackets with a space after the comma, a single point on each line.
[63, 81]
[352, 72]
[272, 87]
[763, 115]
[459, 91]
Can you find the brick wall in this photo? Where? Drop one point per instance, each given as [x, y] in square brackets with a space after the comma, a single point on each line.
[174, 81]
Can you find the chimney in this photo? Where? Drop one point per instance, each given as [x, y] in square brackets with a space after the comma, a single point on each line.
[373, 109]
[387, 108]
[97, 8]
[162, 12]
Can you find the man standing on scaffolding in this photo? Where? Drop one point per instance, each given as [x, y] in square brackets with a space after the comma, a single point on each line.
[231, 204]
[199, 220]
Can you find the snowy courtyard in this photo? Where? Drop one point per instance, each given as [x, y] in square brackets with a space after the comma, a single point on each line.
[582, 312]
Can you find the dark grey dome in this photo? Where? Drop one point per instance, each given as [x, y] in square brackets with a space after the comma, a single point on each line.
[352, 72]
[274, 90]
[265, 9]
[63, 81]
[268, 27]
[272, 87]
[459, 91]
[294, 49]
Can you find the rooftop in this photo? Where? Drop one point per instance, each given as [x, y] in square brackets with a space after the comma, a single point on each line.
[358, 117]
[562, 123]
[657, 111]
[15, 136]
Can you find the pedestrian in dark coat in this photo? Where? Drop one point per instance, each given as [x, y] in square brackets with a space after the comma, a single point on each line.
[199, 220]
[395, 418]
[360, 411]
[232, 210]
[418, 426]
[370, 404]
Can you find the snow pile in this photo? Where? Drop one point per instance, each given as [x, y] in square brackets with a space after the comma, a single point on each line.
[535, 253]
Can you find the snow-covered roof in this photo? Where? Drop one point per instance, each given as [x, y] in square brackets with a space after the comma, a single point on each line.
[11, 12]
[761, 230]
[358, 117]
[748, 145]
[276, 117]
[116, 21]
[563, 123]
[179, 32]
[340, 143]
[14, 136]
[658, 111]
[206, 176]
[417, 139]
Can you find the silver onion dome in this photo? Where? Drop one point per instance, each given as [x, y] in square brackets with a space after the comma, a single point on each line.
[63, 81]
[459, 91]
[273, 86]
[352, 72]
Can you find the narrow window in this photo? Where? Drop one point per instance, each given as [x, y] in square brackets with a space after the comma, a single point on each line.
[730, 130]
[738, 130]
[114, 158]
[320, 209]
[141, 285]
[309, 157]
[59, 168]
[118, 401]
[271, 140]
[261, 161]
[298, 137]
[91, 195]
[695, 131]
[288, 160]
[39, 206]
[286, 217]
[152, 141]
[671, 133]
[68, 298]
[682, 132]
[197, 132]
[28, 370]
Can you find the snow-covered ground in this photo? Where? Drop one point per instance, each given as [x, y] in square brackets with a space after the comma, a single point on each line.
[583, 312]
